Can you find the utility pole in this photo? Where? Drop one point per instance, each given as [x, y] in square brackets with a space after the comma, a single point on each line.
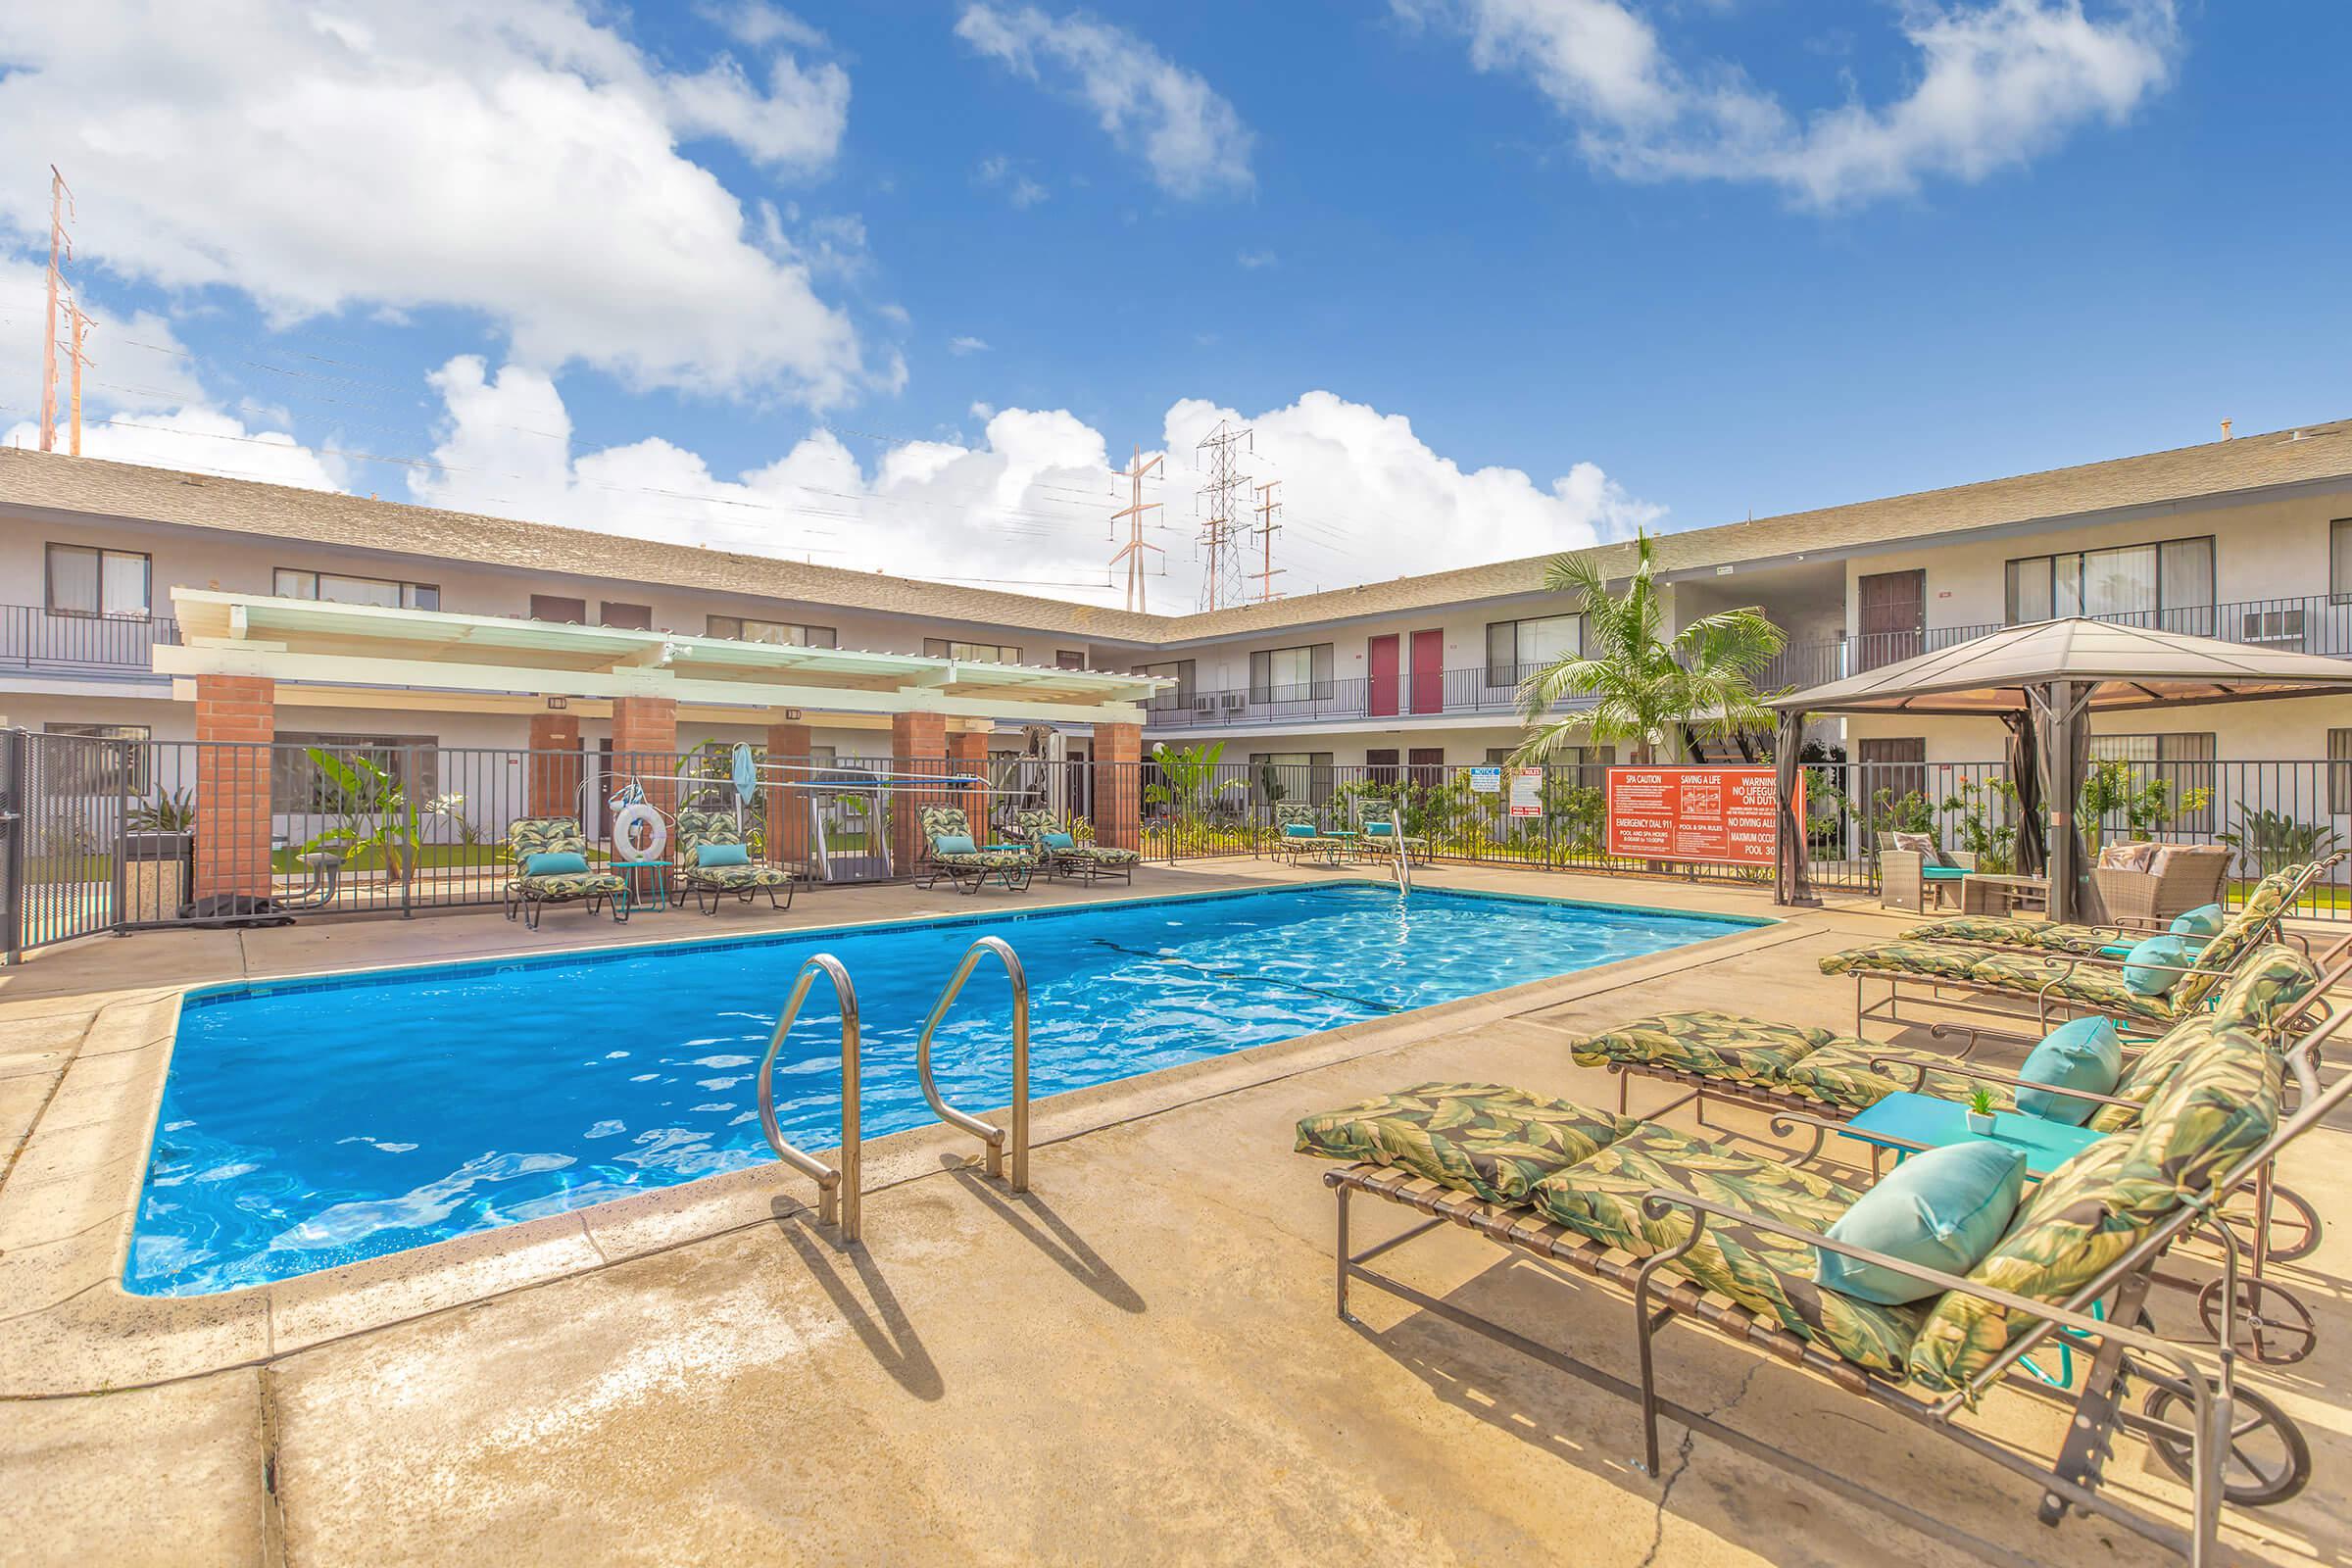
[1132, 551]
[1221, 576]
[1265, 531]
[58, 197]
[80, 323]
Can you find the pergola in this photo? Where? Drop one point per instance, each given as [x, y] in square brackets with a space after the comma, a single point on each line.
[2043, 682]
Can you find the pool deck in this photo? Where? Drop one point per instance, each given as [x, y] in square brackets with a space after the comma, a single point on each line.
[1138, 1361]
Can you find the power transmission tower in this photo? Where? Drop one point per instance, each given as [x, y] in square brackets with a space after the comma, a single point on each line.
[1265, 531]
[1220, 530]
[1132, 551]
[59, 202]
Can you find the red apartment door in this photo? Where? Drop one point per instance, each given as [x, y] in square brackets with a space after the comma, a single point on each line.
[1428, 672]
[1380, 672]
[1894, 617]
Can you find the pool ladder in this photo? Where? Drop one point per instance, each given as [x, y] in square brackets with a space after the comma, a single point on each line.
[1403, 863]
[839, 1194]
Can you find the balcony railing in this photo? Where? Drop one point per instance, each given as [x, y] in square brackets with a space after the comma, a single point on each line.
[1477, 690]
[44, 641]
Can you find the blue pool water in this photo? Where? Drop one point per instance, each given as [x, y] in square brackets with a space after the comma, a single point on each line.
[312, 1123]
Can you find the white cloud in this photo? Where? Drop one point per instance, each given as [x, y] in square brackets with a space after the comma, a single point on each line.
[1019, 189]
[967, 345]
[1190, 136]
[760, 25]
[1253, 261]
[517, 161]
[1997, 83]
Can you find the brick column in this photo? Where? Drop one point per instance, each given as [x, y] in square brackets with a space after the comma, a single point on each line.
[787, 811]
[645, 747]
[1119, 786]
[967, 753]
[236, 719]
[917, 742]
[552, 770]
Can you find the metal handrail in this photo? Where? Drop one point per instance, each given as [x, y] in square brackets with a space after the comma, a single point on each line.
[1405, 873]
[838, 1196]
[990, 1134]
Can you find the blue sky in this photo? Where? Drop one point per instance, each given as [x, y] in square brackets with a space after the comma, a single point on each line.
[884, 284]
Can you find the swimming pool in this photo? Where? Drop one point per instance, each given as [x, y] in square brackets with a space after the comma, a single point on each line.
[310, 1123]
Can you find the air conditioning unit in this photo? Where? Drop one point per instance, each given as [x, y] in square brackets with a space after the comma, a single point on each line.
[1233, 702]
[2272, 628]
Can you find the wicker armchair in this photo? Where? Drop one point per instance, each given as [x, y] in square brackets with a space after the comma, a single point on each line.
[1904, 882]
[2192, 878]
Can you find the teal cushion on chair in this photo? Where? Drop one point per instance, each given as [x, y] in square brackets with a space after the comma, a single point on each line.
[1378, 830]
[1061, 840]
[1298, 830]
[1942, 1209]
[2205, 922]
[722, 855]
[2153, 968]
[954, 844]
[567, 864]
[2087, 1053]
[1944, 873]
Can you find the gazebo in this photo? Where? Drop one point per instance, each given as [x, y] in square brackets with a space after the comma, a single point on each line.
[2043, 682]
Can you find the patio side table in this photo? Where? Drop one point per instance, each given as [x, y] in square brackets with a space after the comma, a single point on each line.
[1904, 1122]
[656, 877]
[1991, 893]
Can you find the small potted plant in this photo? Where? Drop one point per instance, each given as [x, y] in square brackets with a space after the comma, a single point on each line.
[1980, 1112]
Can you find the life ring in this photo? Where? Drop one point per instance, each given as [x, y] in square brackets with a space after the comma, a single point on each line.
[625, 832]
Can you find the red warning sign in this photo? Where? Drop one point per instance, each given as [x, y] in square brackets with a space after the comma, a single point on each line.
[1695, 814]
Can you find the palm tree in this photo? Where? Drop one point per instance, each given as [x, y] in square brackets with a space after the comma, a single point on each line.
[1646, 685]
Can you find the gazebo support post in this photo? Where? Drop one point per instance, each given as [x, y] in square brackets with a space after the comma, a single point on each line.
[1792, 874]
[2062, 713]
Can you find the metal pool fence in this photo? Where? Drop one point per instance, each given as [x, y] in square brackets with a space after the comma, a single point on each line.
[102, 834]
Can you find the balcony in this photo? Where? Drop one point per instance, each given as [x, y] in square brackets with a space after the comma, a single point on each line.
[1454, 692]
[43, 642]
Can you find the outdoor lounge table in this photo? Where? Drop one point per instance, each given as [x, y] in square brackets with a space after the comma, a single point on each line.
[656, 877]
[1987, 893]
[1904, 1121]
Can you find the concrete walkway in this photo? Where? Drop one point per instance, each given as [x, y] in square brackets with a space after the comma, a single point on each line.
[1137, 1363]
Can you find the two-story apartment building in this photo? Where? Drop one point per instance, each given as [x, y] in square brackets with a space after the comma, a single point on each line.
[2248, 540]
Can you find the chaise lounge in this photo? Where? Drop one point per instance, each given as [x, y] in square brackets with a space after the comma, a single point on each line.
[1697, 1233]
[551, 867]
[1060, 853]
[951, 850]
[714, 862]
[2091, 940]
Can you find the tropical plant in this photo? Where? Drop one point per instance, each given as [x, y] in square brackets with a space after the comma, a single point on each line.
[2272, 840]
[1188, 780]
[1979, 1100]
[1907, 812]
[367, 806]
[1270, 785]
[1645, 685]
[1985, 822]
[174, 812]
[2114, 788]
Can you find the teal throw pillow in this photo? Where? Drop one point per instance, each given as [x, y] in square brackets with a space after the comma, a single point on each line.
[1378, 830]
[1298, 830]
[1062, 841]
[2203, 923]
[2154, 966]
[565, 863]
[954, 844]
[2087, 1053]
[711, 855]
[1943, 1208]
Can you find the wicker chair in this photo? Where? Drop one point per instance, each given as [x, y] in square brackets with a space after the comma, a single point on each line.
[1904, 882]
[2192, 878]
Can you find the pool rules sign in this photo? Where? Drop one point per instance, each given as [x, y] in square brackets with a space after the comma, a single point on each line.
[1723, 815]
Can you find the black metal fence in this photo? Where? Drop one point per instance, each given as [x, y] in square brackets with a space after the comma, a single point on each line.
[102, 834]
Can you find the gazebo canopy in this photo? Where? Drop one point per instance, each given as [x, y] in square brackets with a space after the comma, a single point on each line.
[2043, 682]
[2125, 666]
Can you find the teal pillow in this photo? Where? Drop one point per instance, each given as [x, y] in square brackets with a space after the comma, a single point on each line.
[564, 863]
[710, 855]
[2087, 1053]
[1944, 873]
[1298, 830]
[954, 844]
[2205, 922]
[1378, 830]
[2154, 966]
[1062, 841]
[1943, 1208]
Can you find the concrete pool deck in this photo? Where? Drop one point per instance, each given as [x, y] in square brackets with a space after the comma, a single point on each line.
[1136, 1361]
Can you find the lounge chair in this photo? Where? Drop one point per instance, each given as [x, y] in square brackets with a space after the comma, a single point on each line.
[1298, 833]
[1911, 878]
[1697, 1233]
[1043, 831]
[1377, 836]
[2086, 941]
[699, 830]
[531, 892]
[1009, 865]
[2058, 984]
[2190, 878]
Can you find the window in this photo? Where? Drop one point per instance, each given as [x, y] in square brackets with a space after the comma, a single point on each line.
[1895, 766]
[1427, 764]
[978, 653]
[343, 589]
[1379, 765]
[1517, 649]
[2185, 762]
[1069, 659]
[625, 617]
[745, 629]
[1290, 674]
[1179, 670]
[84, 580]
[2339, 561]
[300, 786]
[2339, 771]
[99, 770]
[1299, 777]
[2168, 586]
[568, 611]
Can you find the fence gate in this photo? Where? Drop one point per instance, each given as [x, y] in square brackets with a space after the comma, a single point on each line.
[63, 860]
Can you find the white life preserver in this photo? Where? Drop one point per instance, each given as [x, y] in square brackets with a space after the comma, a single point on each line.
[625, 832]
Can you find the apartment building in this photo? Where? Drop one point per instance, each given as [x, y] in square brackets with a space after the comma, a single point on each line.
[2248, 540]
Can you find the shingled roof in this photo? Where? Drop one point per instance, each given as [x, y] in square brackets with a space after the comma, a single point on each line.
[54, 482]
